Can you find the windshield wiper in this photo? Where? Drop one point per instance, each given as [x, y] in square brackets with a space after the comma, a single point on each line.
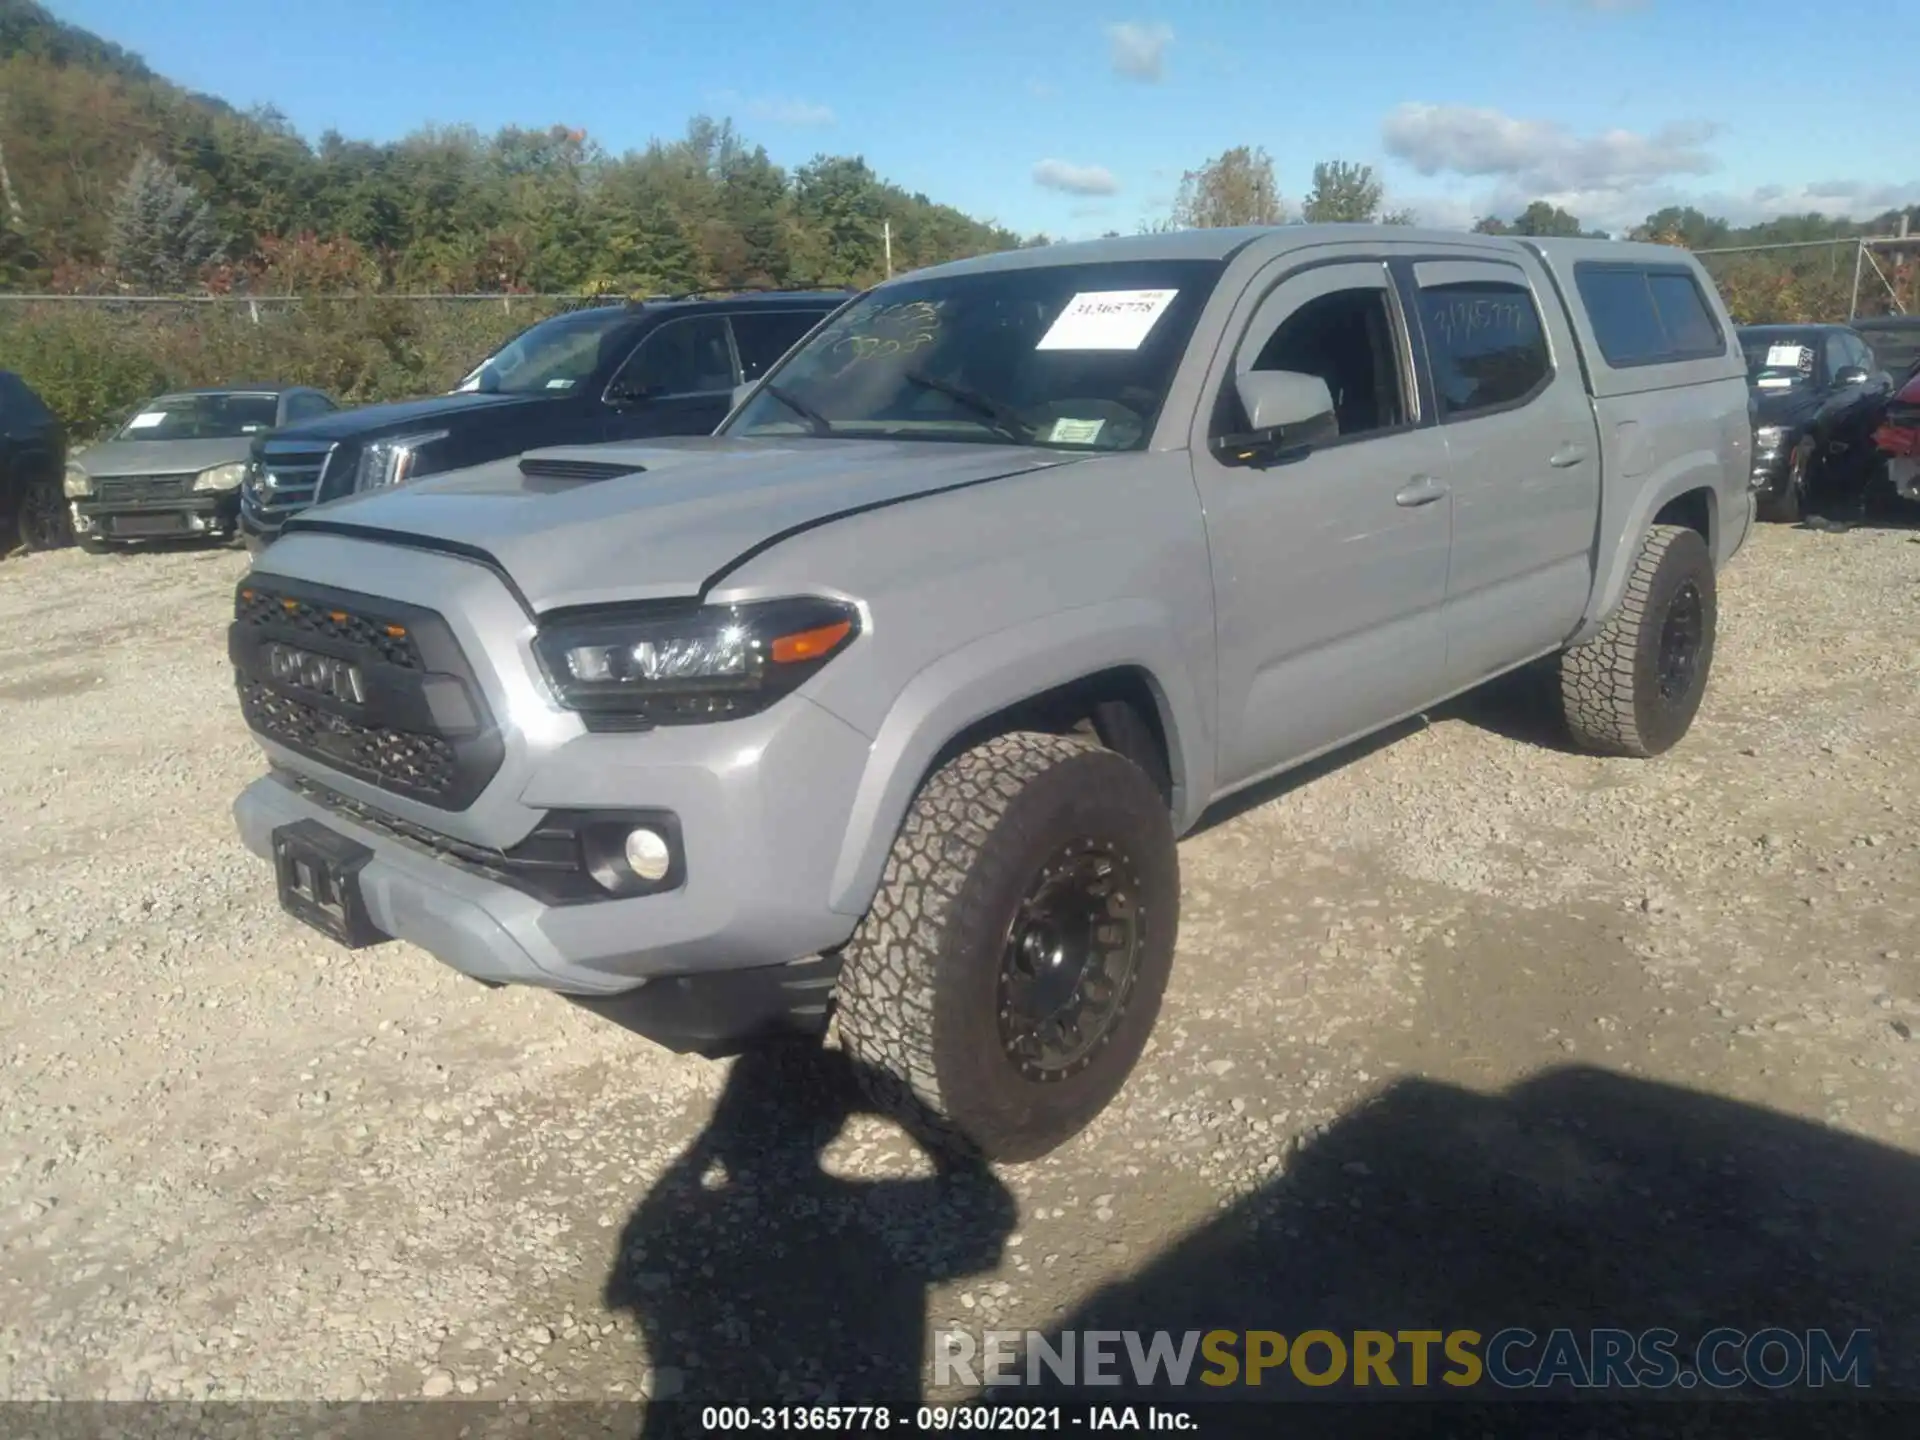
[1004, 417]
[819, 423]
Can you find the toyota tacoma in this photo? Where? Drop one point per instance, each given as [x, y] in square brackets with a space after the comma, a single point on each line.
[879, 711]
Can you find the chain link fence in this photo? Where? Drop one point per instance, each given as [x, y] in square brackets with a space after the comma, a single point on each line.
[93, 358]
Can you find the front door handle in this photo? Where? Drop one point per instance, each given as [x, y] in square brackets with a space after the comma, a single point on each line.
[1567, 456]
[1422, 490]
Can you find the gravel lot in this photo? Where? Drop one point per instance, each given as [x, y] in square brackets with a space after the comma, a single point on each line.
[1463, 1030]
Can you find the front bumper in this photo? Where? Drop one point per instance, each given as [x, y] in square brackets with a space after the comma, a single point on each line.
[1769, 474]
[757, 876]
[215, 513]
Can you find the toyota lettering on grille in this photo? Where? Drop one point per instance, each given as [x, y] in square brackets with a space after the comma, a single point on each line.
[322, 674]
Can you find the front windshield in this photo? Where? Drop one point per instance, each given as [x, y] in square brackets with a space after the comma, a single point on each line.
[1073, 356]
[554, 357]
[201, 417]
[1778, 360]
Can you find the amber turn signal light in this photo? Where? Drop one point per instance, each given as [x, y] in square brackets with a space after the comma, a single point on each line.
[809, 644]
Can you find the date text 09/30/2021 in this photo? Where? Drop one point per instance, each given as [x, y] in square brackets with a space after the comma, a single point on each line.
[942, 1419]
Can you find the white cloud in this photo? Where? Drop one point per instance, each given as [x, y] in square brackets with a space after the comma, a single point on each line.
[1139, 49]
[1075, 179]
[1540, 155]
[778, 109]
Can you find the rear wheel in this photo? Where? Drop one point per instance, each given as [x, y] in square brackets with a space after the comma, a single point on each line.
[1003, 986]
[1635, 687]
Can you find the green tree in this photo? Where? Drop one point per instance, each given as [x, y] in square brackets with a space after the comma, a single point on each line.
[1544, 219]
[1236, 187]
[161, 235]
[1342, 192]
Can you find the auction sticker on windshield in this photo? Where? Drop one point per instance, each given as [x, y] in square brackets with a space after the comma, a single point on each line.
[1106, 320]
[1788, 357]
[147, 420]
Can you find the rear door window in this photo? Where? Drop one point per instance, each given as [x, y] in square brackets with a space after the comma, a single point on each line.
[762, 337]
[1485, 344]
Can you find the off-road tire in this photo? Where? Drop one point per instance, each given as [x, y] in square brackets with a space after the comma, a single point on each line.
[1610, 686]
[1789, 505]
[917, 1002]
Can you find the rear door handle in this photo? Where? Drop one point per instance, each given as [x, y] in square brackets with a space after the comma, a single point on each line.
[1567, 456]
[1423, 490]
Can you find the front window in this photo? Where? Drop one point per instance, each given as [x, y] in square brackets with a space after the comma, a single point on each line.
[1779, 360]
[555, 357]
[1077, 357]
[201, 417]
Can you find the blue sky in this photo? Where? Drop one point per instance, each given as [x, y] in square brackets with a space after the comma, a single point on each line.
[1076, 116]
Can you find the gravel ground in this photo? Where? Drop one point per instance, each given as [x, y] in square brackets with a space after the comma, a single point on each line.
[1464, 1030]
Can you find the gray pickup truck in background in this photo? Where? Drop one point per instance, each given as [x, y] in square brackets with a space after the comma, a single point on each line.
[879, 711]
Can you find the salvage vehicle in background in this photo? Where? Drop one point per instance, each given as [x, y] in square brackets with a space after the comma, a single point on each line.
[883, 706]
[33, 447]
[1818, 395]
[1895, 342]
[173, 470]
[1898, 438]
[611, 372]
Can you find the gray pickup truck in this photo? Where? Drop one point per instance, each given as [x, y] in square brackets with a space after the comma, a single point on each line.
[877, 713]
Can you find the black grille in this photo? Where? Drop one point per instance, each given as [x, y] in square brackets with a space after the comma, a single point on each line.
[286, 479]
[142, 489]
[412, 718]
[419, 765]
[257, 606]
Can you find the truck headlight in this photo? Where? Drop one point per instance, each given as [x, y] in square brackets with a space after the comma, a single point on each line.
[646, 666]
[221, 477]
[1769, 437]
[394, 460]
[76, 482]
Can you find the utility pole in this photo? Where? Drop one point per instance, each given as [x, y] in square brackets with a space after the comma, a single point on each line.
[886, 234]
[1859, 254]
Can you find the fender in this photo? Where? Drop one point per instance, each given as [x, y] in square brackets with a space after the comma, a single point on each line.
[1000, 670]
[1701, 470]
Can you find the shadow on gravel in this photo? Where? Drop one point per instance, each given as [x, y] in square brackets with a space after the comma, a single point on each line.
[757, 1276]
[1579, 1199]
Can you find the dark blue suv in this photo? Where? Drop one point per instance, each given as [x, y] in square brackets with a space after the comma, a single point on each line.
[622, 371]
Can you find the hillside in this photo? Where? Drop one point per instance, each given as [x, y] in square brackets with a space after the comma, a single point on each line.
[443, 209]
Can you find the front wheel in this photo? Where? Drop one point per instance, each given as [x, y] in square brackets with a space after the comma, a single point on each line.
[1790, 504]
[1004, 984]
[44, 522]
[1635, 687]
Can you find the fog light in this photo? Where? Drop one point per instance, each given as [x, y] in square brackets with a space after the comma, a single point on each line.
[648, 855]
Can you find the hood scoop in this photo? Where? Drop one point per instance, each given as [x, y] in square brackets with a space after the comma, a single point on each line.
[551, 467]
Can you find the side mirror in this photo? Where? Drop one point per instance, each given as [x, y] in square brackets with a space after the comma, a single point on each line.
[1288, 414]
[1850, 376]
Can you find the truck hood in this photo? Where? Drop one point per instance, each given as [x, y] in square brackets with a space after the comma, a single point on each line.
[1792, 406]
[694, 506]
[369, 420]
[160, 457]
